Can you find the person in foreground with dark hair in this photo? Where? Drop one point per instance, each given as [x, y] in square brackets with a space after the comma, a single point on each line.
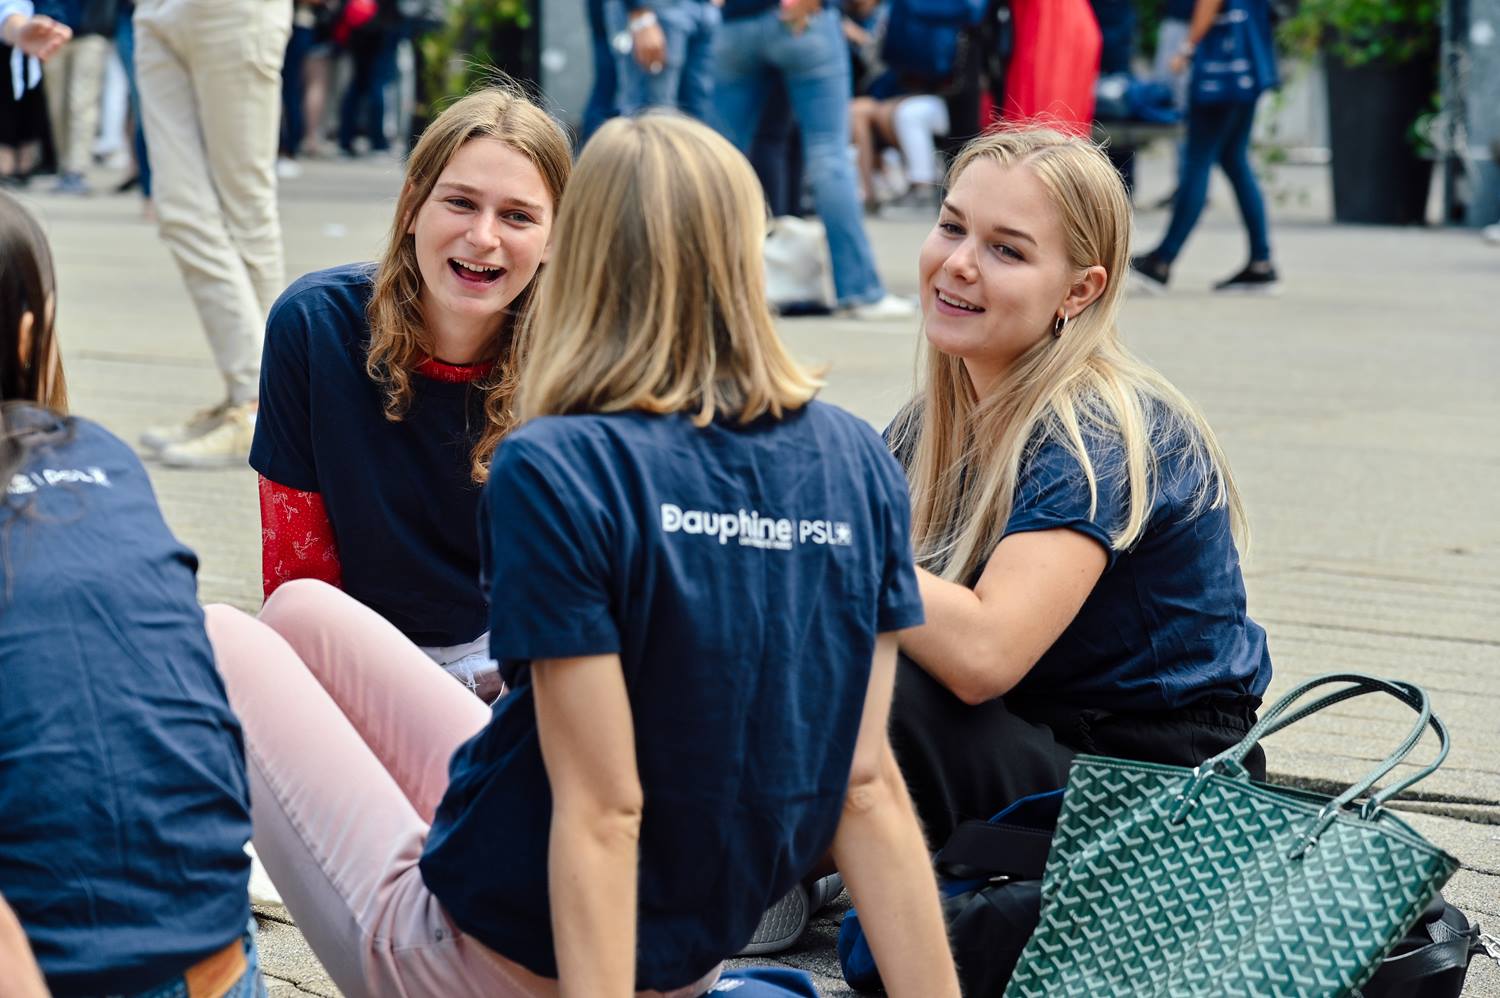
[124, 807]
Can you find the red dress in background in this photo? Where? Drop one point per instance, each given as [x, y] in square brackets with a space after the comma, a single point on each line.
[1054, 64]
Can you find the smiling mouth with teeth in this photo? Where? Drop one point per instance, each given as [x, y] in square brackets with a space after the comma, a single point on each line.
[958, 304]
[471, 273]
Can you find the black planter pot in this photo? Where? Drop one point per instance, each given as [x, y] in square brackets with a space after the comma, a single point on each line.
[1378, 177]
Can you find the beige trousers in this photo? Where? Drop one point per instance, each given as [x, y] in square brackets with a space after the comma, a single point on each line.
[75, 81]
[209, 73]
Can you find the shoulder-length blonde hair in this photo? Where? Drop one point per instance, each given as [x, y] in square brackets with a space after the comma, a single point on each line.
[655, 299]
[398, 337]
[966, 453]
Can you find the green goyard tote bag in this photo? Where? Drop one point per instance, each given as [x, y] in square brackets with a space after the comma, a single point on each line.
[1169, 881]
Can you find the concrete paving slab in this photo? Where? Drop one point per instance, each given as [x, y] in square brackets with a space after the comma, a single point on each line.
[1358, 410]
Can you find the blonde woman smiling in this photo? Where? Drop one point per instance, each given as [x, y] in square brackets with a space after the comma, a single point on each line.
[695, 718]
[1075, 520]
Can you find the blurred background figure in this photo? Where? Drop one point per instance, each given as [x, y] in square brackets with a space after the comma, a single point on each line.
[210, 82]
[75, 80]
[26, 38]
[802, 43]
[663, 53]
[1232, 64]
[140, 176]
[603, 100]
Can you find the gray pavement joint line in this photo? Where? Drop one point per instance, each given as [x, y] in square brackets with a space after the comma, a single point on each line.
[150, 359]
[1349, 573]
[1264, 620]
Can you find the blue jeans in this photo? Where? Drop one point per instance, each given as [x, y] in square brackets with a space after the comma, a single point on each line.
[1217, 133]
[125, 43]
[686, 80]
[250, 984]
[814, 65]
[603, 103]
[293, 120]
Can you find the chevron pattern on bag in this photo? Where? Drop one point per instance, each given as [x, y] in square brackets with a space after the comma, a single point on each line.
[1135, 905]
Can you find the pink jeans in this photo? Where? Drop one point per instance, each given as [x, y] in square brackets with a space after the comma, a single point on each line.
[348, 731]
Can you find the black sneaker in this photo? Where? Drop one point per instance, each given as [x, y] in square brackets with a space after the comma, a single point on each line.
[1253, 280]
[1151, 273]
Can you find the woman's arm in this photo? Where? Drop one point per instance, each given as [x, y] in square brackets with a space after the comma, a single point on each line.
[19, 975]
[981, 642]
[587, 735]
[879, 850]
[296, 538]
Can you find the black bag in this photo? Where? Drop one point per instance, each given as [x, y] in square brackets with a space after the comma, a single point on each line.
[990, 877]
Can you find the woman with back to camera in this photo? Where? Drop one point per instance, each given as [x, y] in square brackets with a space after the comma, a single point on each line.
[696, 571]
[124, 807]
[385, 387]
[1074, 517]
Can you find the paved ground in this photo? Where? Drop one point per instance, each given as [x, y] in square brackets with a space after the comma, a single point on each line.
[1358, 410]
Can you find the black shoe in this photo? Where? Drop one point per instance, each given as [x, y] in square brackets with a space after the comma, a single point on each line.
[129, 184]
[1151, 273]
[1255, 279]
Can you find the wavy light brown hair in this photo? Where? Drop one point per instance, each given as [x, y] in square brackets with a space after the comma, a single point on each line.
[398, 336]
[966, 453]
[655, 300]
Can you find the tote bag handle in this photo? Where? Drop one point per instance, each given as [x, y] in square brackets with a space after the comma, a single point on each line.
[1230, 761]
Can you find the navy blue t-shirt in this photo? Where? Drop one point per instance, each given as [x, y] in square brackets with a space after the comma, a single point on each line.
[399, 495]
[741, 574]
[1165, 625]
[124, 809]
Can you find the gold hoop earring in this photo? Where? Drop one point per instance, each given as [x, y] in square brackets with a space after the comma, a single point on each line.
[1060, 326]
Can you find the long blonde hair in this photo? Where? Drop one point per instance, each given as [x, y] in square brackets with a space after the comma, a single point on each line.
[655, 299]
[965, 454]
[398, 336]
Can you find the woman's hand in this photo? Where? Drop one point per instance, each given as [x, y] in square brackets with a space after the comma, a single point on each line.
[587, 735]
[981, 642]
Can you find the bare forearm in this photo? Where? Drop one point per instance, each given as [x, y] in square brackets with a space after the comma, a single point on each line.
[957, 645]
[1204, 14]
[884, 862]
[591, 876]
[19, 976]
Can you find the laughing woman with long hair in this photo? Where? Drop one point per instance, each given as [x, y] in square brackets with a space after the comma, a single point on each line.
[385, 388]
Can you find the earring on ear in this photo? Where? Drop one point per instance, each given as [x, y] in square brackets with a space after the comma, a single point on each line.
[1060, 325]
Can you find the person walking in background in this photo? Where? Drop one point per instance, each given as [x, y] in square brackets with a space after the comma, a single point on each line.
[603, 102]
[664, 53]
[75, 79]
[1221, 115]
[26, 37]
[367, 29]
[802, 43]
[125, 43]
[293, 106]
[209, 73]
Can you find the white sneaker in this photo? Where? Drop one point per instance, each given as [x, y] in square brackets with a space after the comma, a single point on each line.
[225, 446]
[288, 169]
[1491, 233]
[891, 308]
[158, 438]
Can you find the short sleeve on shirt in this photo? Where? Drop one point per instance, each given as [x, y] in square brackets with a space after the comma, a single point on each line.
[546, 540]
[1052, 492]
[900, 604]
[283, 450]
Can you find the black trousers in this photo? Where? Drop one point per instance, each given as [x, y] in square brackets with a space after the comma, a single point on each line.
[963, 762]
